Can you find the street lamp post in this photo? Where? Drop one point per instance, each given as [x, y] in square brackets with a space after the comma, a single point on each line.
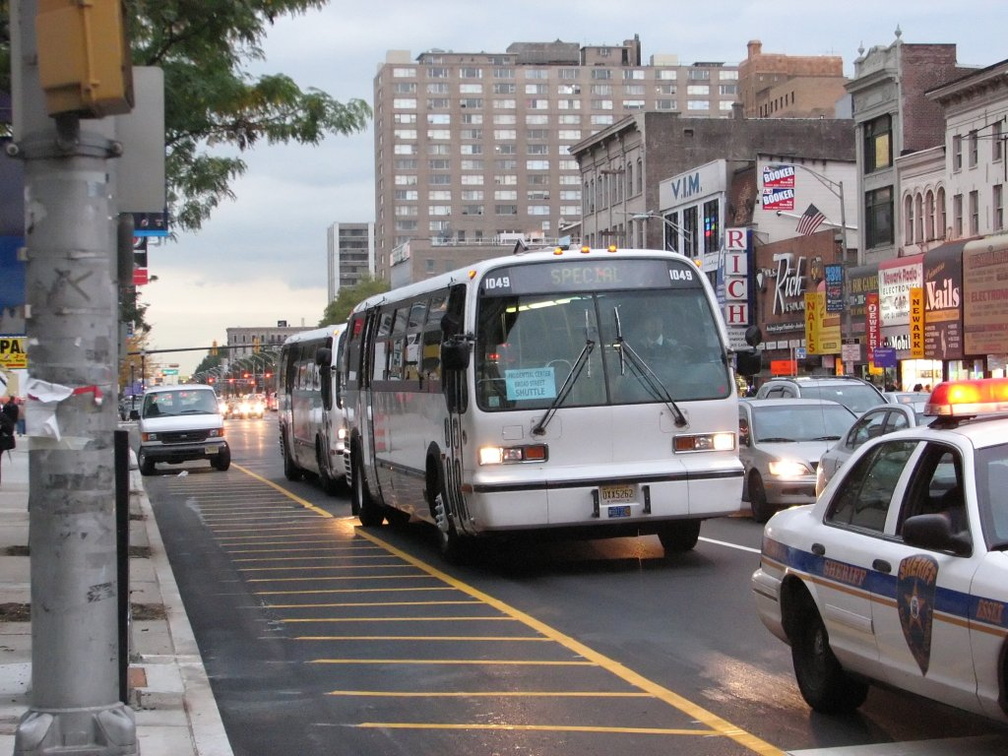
[837, 189]
[686, 233]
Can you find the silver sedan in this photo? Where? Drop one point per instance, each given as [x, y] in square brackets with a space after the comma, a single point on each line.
[877, 421]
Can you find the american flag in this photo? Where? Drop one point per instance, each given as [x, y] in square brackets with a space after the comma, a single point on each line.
[811, 220]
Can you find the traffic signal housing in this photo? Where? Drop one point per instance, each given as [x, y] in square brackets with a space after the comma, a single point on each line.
[84, 57]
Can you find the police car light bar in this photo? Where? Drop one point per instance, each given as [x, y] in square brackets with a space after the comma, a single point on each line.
[983, 396]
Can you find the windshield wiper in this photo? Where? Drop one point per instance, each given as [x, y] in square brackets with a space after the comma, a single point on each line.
[643, 373]
[776, 440]
[565, 389]
[826, 438]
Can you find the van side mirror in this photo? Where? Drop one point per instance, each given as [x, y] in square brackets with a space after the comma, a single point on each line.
[134, 414]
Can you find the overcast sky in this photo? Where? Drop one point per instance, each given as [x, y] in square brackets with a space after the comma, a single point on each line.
[262, 257]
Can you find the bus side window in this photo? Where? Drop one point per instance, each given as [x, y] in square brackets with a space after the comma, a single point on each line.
[396, 346]
[430, 349]
[379, 365]
[417, 314]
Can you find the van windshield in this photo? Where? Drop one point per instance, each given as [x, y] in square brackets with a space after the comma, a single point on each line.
[181, 402]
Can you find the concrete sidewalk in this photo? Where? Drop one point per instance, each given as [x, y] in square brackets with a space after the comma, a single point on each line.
[176, 714]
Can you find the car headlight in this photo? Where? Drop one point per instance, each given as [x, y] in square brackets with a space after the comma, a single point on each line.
[789, 468]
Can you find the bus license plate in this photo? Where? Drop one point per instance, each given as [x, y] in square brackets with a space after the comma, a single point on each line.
[619, 510]
[617, 494]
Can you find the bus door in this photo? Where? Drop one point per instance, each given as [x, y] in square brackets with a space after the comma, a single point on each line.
[371, 369]
[454, 386]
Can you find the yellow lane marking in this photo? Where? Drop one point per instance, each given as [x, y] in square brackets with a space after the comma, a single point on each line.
[328, 558]
[491, 694]
[694, 711]
[267, 551]
[540, 728]
[456, 638]
[494, 662]
[357, 590]
[344, 590]
[468, 602]
[303, 502]
[403, 619]
[336, 564]
[335, 577]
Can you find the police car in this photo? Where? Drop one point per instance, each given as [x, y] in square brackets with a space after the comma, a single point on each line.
[898, 574]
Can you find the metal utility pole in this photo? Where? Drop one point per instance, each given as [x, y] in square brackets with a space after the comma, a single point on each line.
[71, 322]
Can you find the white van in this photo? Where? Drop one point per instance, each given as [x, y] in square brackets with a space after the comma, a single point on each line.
[179, 424]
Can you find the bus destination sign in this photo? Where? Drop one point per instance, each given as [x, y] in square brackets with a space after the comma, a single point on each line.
[589, 275]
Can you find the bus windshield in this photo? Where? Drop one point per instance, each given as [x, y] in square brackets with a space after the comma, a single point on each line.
[644, 345]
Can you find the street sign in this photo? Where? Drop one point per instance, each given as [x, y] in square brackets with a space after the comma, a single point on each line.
[800, 353]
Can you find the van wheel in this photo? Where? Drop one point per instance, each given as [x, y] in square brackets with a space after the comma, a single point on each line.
[291, 470]
[223, 459]
[145, 463]
[369, 513]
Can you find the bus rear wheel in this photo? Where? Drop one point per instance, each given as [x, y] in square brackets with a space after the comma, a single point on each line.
[369, 512]
[291, 470]
[679, 537]
[329, 483]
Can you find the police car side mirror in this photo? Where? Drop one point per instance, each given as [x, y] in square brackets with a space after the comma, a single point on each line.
[934, 532]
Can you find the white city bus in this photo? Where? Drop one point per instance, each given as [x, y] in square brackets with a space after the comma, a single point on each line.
[310, 407]
[517, 395]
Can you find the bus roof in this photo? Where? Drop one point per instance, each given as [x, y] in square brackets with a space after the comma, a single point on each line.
[476, 270]
[333, 330]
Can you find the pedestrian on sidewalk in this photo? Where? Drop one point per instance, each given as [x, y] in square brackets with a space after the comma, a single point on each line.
[7, 426]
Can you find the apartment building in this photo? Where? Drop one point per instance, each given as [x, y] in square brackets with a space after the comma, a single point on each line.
[772, 85]
[472, 150]
[350, 255]
[894, 116]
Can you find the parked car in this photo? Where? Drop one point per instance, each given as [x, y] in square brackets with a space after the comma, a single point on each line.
[916, 399]
[877, 421]
[854, 393]
[780, 443]
[179, 424]
[898, 573]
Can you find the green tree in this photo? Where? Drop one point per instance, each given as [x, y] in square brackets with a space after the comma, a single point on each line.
[339, 309]
[212, 103]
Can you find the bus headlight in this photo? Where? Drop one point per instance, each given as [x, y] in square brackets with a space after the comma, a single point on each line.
[704, 442]
[506, 455]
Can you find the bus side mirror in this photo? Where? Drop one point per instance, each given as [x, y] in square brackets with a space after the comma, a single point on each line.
[323, 357]
[748, 363]
[455, 354]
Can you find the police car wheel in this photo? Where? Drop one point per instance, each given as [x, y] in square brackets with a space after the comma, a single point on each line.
[822, 681]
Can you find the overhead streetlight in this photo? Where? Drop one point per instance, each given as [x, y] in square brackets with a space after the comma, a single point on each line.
[651, 214]
[837, 189]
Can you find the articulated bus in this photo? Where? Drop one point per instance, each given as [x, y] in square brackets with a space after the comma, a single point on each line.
[517, 396]
[310, 407]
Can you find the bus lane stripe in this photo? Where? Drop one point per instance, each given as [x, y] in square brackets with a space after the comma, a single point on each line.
[716, 725]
